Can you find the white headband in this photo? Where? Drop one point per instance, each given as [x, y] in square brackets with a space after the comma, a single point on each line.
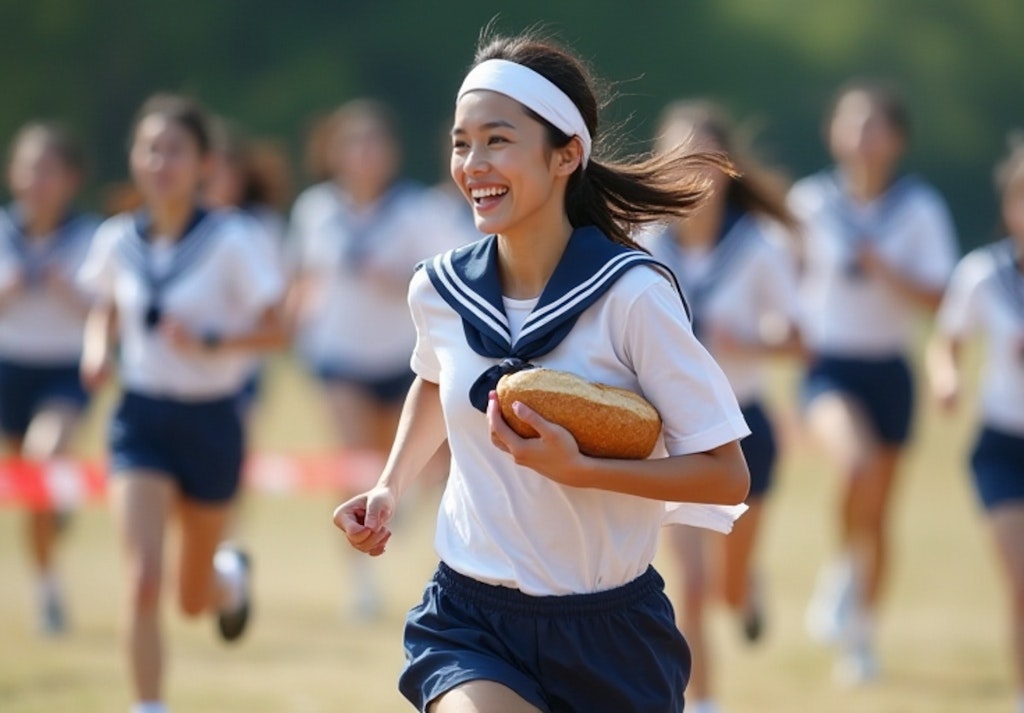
[532, 90]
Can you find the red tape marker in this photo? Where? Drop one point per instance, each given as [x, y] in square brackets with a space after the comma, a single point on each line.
[66, 483]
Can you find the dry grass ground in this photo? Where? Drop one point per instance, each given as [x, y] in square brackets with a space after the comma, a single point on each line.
[942, 638]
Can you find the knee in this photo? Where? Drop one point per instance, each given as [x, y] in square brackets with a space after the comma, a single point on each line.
[193, 604]
[145, 585]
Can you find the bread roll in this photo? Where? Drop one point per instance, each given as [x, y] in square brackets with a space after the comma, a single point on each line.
[607, 422]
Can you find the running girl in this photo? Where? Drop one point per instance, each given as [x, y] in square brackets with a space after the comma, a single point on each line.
[43, 241]
[545, 598]
[741, 285]
[188, 300]
[878, 248]
[986, 297]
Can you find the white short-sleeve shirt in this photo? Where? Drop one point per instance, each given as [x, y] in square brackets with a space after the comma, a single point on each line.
[754, 289]
[978, 302]
[848, 315]
[505, 524]
[37, 325]
[231, 283]
[360, 262]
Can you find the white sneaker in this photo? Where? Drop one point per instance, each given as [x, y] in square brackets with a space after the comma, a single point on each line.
[232, 567]
[830, 610]
[856, 666]
[52, 619]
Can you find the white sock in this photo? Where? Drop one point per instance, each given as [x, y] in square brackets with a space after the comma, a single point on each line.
[149, 707]
[230, 578]
[47, 586]
[1020, 703]
[704, 705]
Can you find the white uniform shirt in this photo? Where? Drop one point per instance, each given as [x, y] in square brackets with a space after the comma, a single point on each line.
[505, 524]
[858, 316]
[38, 326]
[978, 302]
[755, 288]
[360, 263]
[231, 282]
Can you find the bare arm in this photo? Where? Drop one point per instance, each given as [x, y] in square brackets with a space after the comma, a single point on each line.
[717, 476]
[421, 431]
[924, 296]
[98, 345]
[942, 361]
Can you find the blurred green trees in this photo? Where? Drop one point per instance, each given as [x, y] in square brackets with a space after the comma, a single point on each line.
[272, 65]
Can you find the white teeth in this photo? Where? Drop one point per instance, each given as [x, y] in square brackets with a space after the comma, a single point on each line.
[488, 192]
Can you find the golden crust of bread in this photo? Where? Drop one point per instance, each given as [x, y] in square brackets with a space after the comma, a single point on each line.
[607, 422]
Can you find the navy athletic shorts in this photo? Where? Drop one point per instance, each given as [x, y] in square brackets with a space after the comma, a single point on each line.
[759, 449]
[998, 465]
[883, 387]
[198, 444]
[25, 389]
[616, 650]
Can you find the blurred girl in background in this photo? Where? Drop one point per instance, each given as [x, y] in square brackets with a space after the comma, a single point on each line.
[878, 247]
[741, 285]
[188, 299]
[254, 177]
[43, 241]
[986, 297]
[357, 238]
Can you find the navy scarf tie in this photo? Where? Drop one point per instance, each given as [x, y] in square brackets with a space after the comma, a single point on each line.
[467, 279]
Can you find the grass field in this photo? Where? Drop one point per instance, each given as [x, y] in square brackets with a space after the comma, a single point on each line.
[942, 639]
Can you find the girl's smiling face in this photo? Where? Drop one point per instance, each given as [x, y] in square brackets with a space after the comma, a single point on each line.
[167, 163]
[861, 133]
[504, 164]
[40, 180]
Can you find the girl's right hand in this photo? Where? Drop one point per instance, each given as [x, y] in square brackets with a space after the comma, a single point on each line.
[364, 520]
[94, 370]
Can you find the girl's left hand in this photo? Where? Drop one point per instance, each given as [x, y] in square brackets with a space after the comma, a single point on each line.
[554, 454]
[180, 336]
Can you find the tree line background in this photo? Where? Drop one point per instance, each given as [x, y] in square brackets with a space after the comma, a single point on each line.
[273, 65]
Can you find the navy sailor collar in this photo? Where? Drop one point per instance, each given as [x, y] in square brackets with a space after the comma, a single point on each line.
[467, 279]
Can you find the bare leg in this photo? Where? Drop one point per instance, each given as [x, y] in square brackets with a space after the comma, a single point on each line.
[142, 502]
[359, 425]
[690, 548]
[736, 555]
[1008, 533]
[202, 529]
[48, 436]
[481, 697]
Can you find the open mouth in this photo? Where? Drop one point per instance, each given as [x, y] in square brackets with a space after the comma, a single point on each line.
[484, 198]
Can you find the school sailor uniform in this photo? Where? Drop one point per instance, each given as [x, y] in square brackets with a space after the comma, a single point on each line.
[179, 414]
[40, 333]
[986, 297]
[561, 575]
[358, 328]
[743, 282]
[860, 328]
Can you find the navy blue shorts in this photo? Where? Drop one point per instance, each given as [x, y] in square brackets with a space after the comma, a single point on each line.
[617, 650]
[199, 444]
[759, 450]
[24, 390]
[883, 387]
[385, 390]
[998, 465]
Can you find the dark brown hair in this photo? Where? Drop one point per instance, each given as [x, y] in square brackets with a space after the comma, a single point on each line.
[885, 94]
[184, 111]
[263, 164]
[613, 195]
[59, 139]
[1011, 166]
[755, 188]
